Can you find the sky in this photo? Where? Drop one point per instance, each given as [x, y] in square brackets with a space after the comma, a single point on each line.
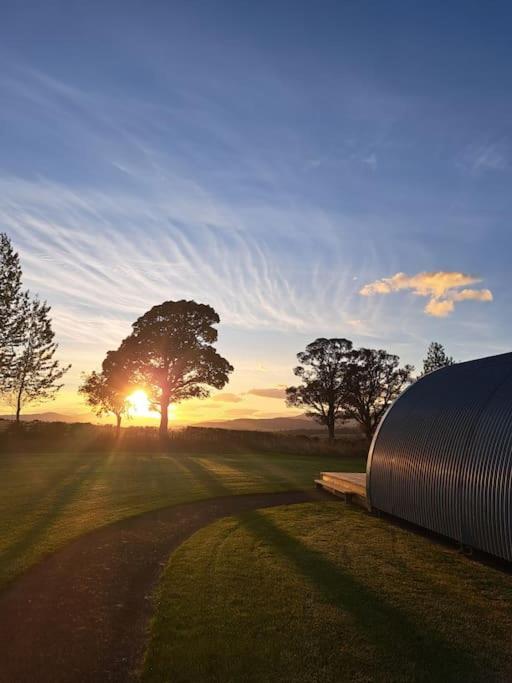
[338, 169]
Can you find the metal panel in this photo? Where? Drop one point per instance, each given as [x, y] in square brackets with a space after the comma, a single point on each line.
[442, 455]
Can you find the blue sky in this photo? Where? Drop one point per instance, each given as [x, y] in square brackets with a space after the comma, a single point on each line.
[271, 159]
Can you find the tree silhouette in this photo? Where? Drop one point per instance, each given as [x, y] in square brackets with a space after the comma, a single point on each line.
[34, 374]
[170, 354]
[322, 371]
[436, 358]
[12, 306]
[106, 395]
[373, 381]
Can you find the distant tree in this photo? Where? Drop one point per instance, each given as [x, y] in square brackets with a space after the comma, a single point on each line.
[12, 307]
[33, 374]
[322, 371]
[106, 394]
[373, 380]
[436, 358]
[170, 354]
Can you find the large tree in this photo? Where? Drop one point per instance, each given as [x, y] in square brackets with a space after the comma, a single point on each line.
[436, 358]
[170, 354]
[374, 379]
[322, 371]
[34, 373]
[106, 394]
[12, 306]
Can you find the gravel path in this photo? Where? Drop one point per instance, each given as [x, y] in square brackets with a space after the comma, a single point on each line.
[82, 613]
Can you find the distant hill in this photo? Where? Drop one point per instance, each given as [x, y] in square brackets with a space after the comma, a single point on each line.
[298, 424]
[269, 424]
[49, 417]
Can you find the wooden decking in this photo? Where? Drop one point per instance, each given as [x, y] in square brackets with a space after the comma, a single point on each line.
[350, 485]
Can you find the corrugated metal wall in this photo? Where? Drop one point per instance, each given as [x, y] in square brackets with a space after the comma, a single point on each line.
[442, 456]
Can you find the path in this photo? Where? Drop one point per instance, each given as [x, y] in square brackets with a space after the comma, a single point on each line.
[82, 613]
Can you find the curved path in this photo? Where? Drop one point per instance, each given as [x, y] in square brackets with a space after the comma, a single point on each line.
[82, 613]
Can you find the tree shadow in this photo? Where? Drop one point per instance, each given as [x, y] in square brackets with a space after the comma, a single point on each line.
[67, 493]
[204, 476]
[404, 648]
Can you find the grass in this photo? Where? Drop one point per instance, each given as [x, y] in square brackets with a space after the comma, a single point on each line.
[326, 592]
[47, 499]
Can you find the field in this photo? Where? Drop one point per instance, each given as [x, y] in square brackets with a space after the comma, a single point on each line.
[318, 591]
[47, 499]
[340, 596]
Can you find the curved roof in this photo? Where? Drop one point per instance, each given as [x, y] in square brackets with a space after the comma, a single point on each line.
[442, 455]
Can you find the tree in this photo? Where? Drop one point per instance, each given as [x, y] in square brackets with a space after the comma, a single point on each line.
[33, 373]
[436, 358]
[373, 381]
[12, 303]
[106, 395]
[170, 354]
[322, 370]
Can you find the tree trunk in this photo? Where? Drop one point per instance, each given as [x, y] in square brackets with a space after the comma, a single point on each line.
[18, 406]
[164, 417]
[118, 425]
[331, 423]
[330, 427]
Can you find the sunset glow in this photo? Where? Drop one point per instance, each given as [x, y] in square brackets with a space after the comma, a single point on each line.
[139, 404]
[330, 200]
[140, 408]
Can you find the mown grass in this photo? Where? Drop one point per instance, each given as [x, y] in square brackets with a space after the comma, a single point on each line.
[326, 592]
[47, 499]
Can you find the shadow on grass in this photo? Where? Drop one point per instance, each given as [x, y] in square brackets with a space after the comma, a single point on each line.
[198, 472]
[404, 647]
[67, 493]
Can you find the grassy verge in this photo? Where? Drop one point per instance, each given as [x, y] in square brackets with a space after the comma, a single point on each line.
[325, 592]
[48, 498]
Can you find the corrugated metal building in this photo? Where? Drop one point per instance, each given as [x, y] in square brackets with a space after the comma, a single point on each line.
[442, 455]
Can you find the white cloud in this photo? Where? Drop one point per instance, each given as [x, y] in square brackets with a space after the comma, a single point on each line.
[442, 288]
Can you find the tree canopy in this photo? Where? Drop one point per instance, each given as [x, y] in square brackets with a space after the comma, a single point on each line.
[339, 383]
[374, 379]
[34, 373]
[105, 394]
[12, 300]
[29, 371]
[436, 358]
[170, 354]
[322, 370]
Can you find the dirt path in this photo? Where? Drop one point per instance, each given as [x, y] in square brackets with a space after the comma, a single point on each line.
[82, 613]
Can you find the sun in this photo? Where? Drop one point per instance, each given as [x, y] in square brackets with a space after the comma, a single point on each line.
[140, 406]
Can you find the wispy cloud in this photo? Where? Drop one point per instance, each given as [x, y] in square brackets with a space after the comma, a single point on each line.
[226, 397]
[270, 392]
[486, 157]
[441, 287]
[371, 161]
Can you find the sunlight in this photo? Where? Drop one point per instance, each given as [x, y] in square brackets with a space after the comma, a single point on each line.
[139, 404]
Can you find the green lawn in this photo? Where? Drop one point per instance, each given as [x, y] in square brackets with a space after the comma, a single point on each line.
[47, 499]
[326, 592]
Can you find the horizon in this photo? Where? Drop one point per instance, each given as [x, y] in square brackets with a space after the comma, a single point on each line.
[342, 173]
